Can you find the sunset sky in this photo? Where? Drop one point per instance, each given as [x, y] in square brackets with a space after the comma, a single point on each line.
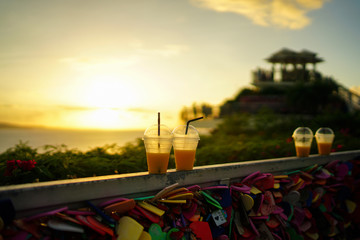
[113, 64]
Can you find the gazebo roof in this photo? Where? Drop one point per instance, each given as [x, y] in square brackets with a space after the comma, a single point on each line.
[289, 56]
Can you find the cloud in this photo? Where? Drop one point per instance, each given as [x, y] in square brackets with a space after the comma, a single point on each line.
[85, 63]
[166, 51]
[74, 108]
[140, 53]
[140, 110]
[289, 14]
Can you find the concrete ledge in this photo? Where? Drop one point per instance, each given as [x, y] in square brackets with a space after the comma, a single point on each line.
[34, 197]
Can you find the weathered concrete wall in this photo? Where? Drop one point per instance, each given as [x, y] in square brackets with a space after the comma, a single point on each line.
[35, 197]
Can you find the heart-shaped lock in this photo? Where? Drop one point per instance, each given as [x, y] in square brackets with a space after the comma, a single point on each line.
[248, 201]
[265, 183]
[156, 232]
[201, 230]
[128, 228]
[268, 205]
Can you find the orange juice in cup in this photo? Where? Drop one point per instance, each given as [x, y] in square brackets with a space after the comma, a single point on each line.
[324, 138]
[324, 148]
[185, 143]
[158, 143]
[303, 137]
[157, 162]
[184, 159]
[302, 151]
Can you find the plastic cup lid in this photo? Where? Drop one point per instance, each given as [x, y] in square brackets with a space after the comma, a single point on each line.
[152, 132]
[324, 131]
[179, 131]
[303, 132]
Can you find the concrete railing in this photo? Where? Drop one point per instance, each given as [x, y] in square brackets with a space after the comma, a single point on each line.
[35, 197]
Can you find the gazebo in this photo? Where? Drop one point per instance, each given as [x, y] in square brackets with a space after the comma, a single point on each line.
[287, 56]
[292, 68]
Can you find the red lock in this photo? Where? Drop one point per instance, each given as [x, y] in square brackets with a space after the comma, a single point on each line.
[265, 183]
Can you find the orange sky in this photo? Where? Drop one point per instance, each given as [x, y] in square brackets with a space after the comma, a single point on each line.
[115, 64]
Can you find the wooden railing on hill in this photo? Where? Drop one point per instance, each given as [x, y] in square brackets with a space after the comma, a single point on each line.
[351, 98]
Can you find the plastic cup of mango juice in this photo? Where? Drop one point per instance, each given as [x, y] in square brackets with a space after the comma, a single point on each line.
[324, 138]
[158, 147]
[303, 137]
[185, 146]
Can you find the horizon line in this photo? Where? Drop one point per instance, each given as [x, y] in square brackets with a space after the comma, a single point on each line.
[7, 125]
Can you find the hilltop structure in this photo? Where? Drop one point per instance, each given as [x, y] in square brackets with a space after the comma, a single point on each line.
[292, 85]
[291, 69]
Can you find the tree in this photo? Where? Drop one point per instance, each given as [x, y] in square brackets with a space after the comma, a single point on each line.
[184, 114]
[206, 110]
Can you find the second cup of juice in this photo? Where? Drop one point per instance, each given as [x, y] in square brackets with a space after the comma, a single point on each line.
[185, 144]
[303, 137]
[324, 138]
[158, 143]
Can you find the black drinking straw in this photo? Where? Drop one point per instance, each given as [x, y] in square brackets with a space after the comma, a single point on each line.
[158, 123]
[158, 127]
[192, 120]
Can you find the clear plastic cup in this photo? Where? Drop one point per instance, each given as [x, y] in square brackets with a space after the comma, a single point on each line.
[324, 138]
[185, 146]
[158, 148]
[303, 137]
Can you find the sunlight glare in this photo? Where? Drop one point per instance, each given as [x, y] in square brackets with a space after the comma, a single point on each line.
[105, 91]
[103, 118]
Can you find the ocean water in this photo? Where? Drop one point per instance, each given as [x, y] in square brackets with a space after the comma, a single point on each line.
[82, 140]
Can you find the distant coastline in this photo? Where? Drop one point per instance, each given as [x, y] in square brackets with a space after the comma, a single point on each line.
[82, 140]
[12, 125]
[5, 125]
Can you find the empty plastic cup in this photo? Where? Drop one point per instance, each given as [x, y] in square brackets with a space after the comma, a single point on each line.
[185, 147]
[158, 147]
[324, 138]
[303, 137]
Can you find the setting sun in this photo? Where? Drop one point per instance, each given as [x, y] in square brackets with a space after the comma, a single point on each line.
[106, 91]
[105, 118]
